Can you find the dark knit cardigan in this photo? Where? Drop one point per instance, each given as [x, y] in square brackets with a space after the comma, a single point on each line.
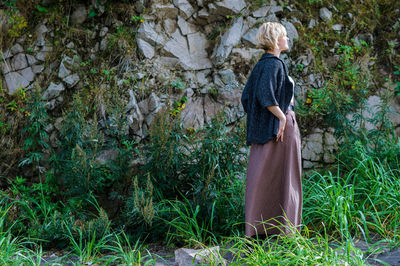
[268, 84]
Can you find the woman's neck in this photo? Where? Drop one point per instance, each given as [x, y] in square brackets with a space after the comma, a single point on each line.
[275, 52]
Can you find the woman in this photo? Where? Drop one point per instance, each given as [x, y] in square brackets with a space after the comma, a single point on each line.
[273, 201]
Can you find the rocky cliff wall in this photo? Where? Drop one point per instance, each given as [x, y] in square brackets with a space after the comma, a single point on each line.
[197, 50]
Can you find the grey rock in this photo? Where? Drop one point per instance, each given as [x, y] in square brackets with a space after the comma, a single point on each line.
[202, 17]
[308, 164]
[192, 115]
[250, 38]
[228, 7]
[40, 32]
[211, 108]
[153, 102]
[43, 53]
[71, 80]
[37, 69]
[63, 71]
[6, 54]
[312, 147]
[146, 32]
[145, 48]
[185, 7]
[6, 66]
[19, 62]
[227, 76]
[325, 14]
[135, 117]
[337, 27]
[170, 25]
[70, 45]
[202, 79]
[31, 59]
[50, 105]
[17, 48]
[230, 39]
[193, 57]
[165, 11]
[53, 91]
[14, 81]
[291, 32]
[371, 108]
[264, 10]
[186, 27]
[28, 74]
[185, 256]
[103, 31]
[247, 53]
[79, 15]
[367, 37]
[312, 23]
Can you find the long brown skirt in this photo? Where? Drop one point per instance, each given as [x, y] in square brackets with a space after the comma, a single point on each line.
[274, 197]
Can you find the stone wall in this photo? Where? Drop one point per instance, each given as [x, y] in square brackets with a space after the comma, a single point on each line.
[173, 42]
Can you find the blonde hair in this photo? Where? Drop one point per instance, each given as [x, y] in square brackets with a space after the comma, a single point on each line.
[268, 35]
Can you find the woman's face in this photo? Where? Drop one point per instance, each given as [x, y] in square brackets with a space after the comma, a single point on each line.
[283, 43]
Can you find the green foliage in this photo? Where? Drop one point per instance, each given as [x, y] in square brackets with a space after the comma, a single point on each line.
[79, 169]
[37, 138]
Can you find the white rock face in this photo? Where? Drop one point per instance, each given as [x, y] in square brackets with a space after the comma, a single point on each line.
[145, 48]
[146, 32]
[185, 7]
[186, 27]
[230, 39]
[192, 57]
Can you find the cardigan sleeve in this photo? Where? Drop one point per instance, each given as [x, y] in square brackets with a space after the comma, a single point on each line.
[245, 97]
[267, 85]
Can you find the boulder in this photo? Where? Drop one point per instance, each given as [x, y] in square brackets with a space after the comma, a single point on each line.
[186, 9]
[312, 148]
[264, 10]
[185, 256]
[71, 80]
[19, 62]
[28, 74]
[53, 91]
[247, 53]
[325, 14]
[250, 38]
[145, 48]
[193, 57]
[5, 66]
[291, 32]
[186, 27]
[14, 81]
[16, 48]
[227, 7]
[230, 39]
[146, 32]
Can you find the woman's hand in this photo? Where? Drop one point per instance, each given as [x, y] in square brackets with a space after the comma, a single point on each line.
[282, 124]
[282, 120]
